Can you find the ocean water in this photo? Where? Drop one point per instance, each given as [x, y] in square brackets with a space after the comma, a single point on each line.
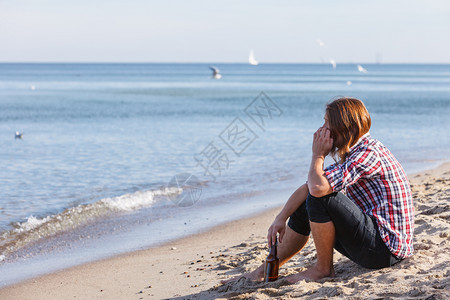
[120, 157]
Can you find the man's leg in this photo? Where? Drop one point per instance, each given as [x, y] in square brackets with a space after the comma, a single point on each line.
[352, 233]
[292, 243]
[323, 234]
[295, 238]
[357, 234]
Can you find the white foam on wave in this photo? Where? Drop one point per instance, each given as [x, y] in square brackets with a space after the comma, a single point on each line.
[34, 228]
[31, 223]
[138, 200]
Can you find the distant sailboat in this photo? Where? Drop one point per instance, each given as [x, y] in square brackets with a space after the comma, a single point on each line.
[252, 60]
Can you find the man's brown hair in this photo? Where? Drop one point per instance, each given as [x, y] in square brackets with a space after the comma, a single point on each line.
[348, 119]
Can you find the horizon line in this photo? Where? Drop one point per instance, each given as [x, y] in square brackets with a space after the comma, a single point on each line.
[197, 62]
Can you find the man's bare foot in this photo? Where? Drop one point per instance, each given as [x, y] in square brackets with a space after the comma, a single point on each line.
[256, 275]
[312, 274]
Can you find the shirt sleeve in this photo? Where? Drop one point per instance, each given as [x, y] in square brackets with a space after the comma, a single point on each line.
[359, 165]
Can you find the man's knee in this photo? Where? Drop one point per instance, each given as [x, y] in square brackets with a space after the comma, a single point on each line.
[317, 208]
[299, 221]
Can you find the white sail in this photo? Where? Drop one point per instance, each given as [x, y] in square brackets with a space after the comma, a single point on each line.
[252, 60]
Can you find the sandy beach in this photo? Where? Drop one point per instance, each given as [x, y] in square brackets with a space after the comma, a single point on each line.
[191, 268]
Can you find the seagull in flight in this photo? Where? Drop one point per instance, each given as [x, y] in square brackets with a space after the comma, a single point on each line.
[361, 69]
[321, 44]
[333, 63]
[18, 135]
[216, 72]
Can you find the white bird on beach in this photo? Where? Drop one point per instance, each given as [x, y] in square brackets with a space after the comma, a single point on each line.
[333, 63]
[216, 72]
[32, 87]
[18, 135]
[361, 69]
[349, 82]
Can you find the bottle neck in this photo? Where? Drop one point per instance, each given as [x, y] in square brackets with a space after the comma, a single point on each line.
[273, 250]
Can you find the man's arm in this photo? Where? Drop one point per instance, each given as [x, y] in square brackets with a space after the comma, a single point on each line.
[279, 224]
[318, 184]
[294, 202]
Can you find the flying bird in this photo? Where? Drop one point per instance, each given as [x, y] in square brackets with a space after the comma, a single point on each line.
[321, 44]
[18, 135]
[361, 69]
[216, 72]
[333, 63]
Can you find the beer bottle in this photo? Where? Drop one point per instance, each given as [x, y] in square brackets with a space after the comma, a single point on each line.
[272, 264]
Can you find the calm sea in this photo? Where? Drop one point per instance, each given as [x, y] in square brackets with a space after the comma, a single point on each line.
[119, 157]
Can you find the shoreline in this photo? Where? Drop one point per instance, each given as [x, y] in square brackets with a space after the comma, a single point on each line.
[35, 260]
[196, 263]
[155, 258]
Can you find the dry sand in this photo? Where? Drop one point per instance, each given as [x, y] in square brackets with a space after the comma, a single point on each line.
[191, 268]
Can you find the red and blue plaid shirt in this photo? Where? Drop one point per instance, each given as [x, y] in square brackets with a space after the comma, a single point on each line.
[372, 178]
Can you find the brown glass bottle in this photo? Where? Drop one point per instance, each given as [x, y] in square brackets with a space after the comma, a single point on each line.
[272, 264]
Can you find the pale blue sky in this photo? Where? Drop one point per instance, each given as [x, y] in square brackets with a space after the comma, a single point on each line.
[224, 31]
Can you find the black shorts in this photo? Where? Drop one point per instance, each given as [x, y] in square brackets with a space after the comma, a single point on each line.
[357, 234]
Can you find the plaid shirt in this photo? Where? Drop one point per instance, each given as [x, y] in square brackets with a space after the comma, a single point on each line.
[372, 178]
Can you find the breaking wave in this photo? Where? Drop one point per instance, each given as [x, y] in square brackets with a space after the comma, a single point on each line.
[34, 229]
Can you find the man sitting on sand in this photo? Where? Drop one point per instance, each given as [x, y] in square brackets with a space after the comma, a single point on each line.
[361, 206]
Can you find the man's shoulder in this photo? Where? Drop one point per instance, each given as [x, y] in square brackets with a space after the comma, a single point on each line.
[368, 151]
[365, 143]
[368, 143]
